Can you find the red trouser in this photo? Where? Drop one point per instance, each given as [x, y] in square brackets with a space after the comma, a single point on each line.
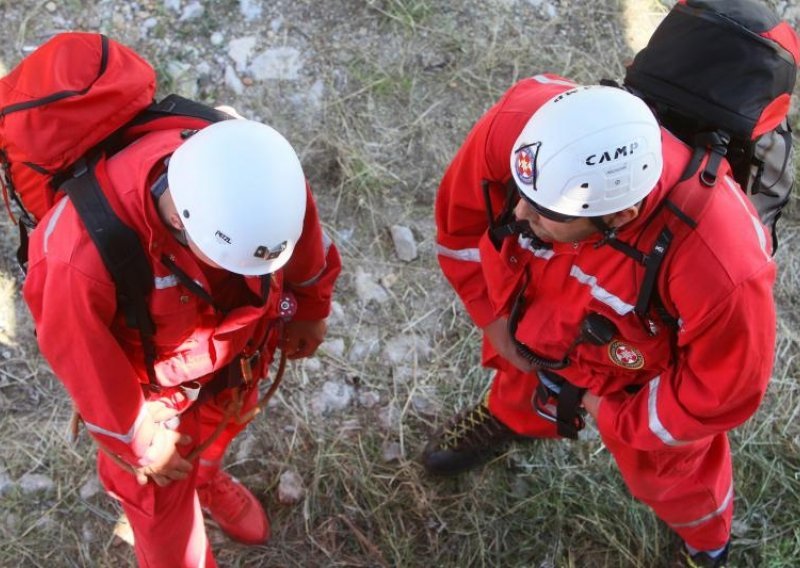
[689, 487]
[167, 521]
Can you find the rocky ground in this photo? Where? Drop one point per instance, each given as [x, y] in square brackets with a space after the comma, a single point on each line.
[376, 96]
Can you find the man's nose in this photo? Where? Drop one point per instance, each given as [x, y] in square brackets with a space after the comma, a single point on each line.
[525, 212]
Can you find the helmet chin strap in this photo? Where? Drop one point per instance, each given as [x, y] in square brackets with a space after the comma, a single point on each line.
[609, 232]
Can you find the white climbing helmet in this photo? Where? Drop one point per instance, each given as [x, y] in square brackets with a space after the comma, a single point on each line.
[240, 191]
[587, 152]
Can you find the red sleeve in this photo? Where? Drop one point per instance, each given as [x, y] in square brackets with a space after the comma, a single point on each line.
[313, 268]
[725, 350]
[73, 314]
[460, 209]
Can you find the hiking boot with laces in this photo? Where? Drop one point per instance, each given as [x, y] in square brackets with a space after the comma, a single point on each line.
[701, 559]
[467, 440]
[237, 511]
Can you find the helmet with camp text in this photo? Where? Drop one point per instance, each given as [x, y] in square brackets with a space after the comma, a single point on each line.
[587, 152]
[240, 192]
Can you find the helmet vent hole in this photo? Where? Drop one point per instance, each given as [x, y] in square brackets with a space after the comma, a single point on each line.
[185, 213]
[584, 185]
[585, 206]
[644, 167]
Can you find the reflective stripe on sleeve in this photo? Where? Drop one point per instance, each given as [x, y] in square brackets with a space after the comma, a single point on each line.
[761, 235]
[51, 225]
[125, 438]
[467, 255]
[653, 421]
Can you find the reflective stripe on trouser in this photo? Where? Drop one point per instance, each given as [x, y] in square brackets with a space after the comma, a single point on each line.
[689, 487]
[167, 522]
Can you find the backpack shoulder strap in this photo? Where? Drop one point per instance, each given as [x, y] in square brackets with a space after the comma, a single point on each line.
[122, 255]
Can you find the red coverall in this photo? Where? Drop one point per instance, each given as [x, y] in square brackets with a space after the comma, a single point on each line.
[669, 438]
[100, 361]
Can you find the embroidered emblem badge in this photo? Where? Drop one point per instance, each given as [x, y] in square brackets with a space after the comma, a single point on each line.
[524, 165]
[625, 355]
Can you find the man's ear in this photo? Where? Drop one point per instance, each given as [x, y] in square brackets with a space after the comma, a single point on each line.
[625, 216]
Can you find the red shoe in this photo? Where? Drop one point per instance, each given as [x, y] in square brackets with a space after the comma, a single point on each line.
[237, 511]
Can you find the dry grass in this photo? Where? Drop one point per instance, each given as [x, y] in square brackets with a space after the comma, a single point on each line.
[403, 82]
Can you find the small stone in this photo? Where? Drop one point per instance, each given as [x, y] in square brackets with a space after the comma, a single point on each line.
[369, 399]
[250, 9]
[406, 348]
[290, 488]
[361, 350]
[192, 11]
[404, 244]
[174, 5]
[240, 49]
[91, 488]
[50, 6]
[35, 483]
[333, 396]
[389, 417]
[87, 534]
[391, 452]
[334, 347]
[6, 483]
[277, 63]
[424, 401]
[217, 38]
[232, 80]
[337, 313]
[245, 448]
[247, 81]
[367, 289]
[312, 364]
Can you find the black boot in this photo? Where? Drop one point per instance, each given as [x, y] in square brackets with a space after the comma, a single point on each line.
[701, 559]
[467, 440]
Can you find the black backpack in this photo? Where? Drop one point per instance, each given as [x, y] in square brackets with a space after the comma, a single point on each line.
[719, 74]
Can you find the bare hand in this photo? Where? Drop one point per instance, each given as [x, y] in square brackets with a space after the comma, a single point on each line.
[302, 337]
[498, 335]
[591, 403]
[165, 464]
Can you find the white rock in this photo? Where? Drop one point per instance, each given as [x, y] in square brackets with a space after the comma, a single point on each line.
[334, 347]
[217, 38]
[369, 399]
[313, 364]
[404, 244]
[367, 289]
[277, 63]
[91, 488]
[337, 314]
[149, 24]
[35, 483]
[240, 50]
[424, 401]
[250, 9]
[50, 6]
[362, 349]
[391, 452]
[174, 5]
[290, 488]
[276, 23]
[87, 534]
[6, 483]
[184, 78]
[232, 80]
[406, 348]
[389, 417]
[333, 396]
[192, 11]
[245, 448]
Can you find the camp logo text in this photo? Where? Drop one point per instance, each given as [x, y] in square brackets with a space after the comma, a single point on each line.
[611, 155]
